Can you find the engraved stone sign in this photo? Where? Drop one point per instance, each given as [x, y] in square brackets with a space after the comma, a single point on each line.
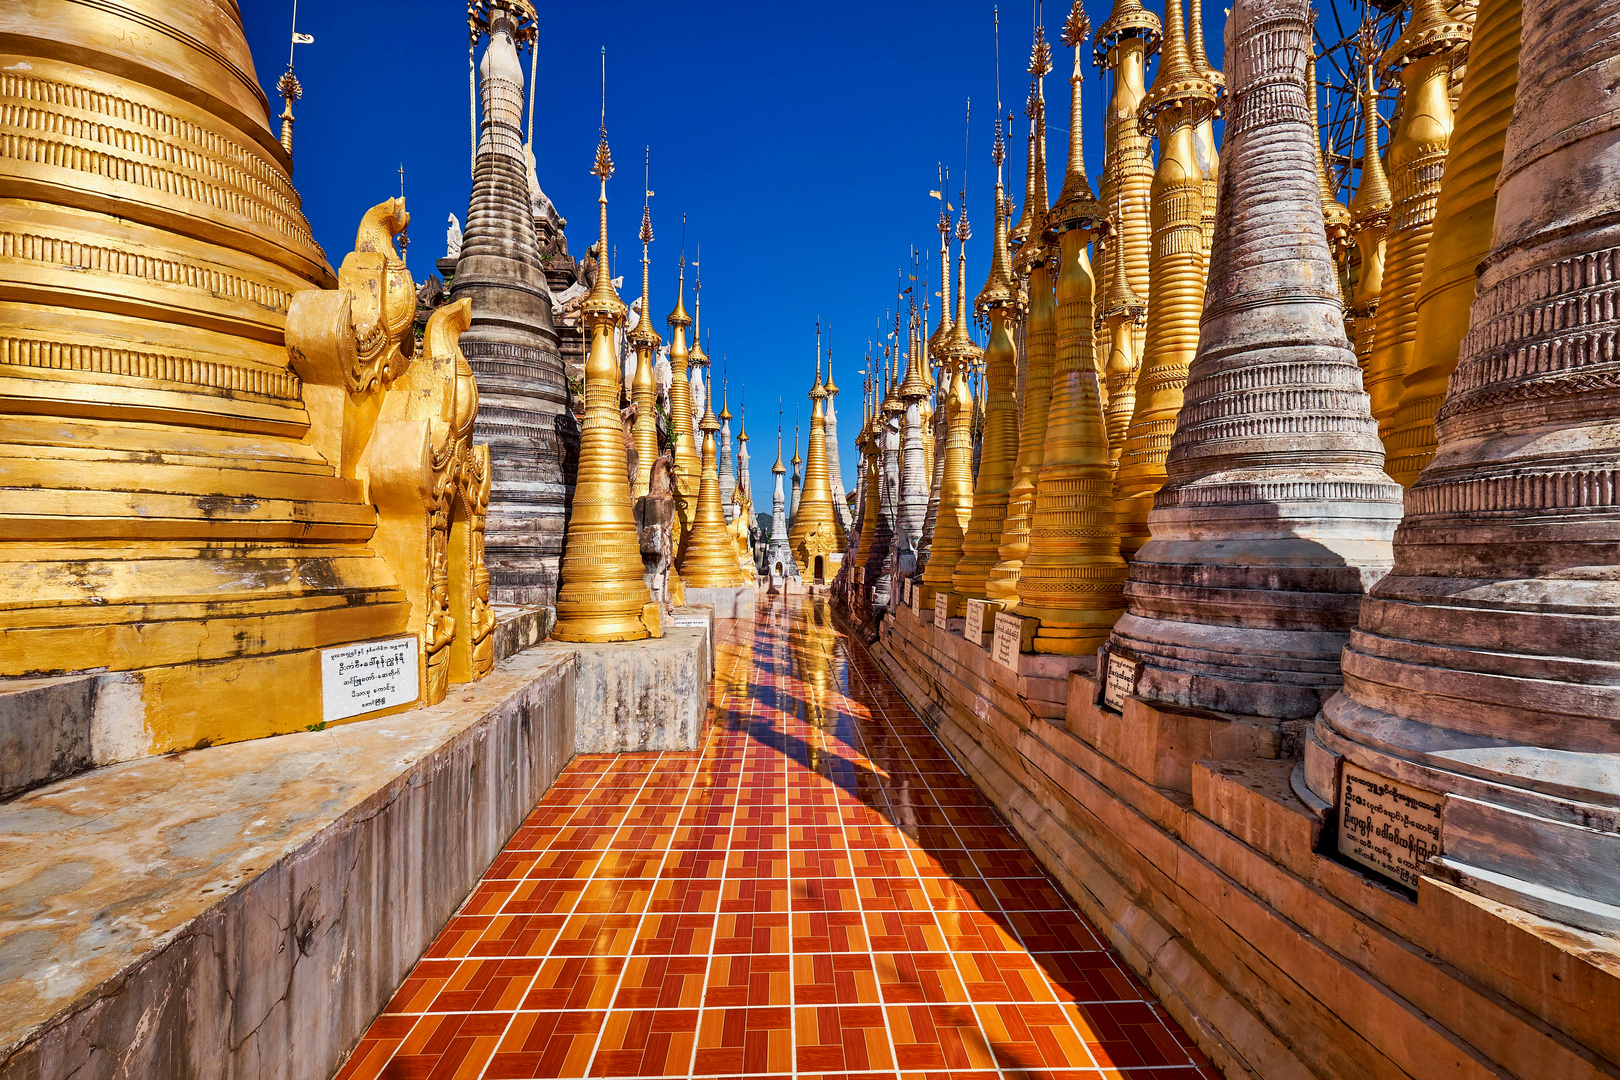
[1014, 634]
[942, 610]
[1386, 825]
[916, 601]
[1119, 681]
[977, 612]
[368, 676]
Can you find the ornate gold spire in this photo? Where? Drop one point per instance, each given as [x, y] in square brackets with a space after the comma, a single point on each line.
[603, 595]
[644, 389]
[817, 533]
[1335, 215]
[688, 465]
[999, 449]
[708, 559]
[1369, 225]
[1422, 57]
[1179, 98]
[1122, 46]
[1122, 310]
[1464, 210]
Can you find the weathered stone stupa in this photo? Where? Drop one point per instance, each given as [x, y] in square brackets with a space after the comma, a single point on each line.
[1485, 668]
[1276, 515]
[512, 345]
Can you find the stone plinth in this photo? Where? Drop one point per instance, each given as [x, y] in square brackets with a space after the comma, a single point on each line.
[247, 909]
[1186, 840]
[735, 602]
[698, 617]
[639, 696]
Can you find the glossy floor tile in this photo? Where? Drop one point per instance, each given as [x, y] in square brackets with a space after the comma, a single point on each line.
[819, 892]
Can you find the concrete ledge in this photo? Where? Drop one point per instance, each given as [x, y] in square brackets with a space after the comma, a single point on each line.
[639, 696]
[519, 628]
[246, 910]
[698, 617]
[735, 602]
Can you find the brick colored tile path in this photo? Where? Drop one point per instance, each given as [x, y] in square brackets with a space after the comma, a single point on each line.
[820, 892]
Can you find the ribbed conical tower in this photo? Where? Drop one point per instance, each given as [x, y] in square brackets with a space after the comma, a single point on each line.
[1180, 96]
[1369, 227]
[778, 552]
[797, 478]
[956, 481]
[708, 561]
[1277, 515]
[603, 595]
[727, 469]
[512, 344]
[1487, 664]
[1209, 158]
[1073, 577]
[938, 348]
[835, 470]
[913, 462]
[1122, 47]
[645, 340]
[816, 532]
[1423, 55]
[999, 449]
[1462, 233]
[688, 462]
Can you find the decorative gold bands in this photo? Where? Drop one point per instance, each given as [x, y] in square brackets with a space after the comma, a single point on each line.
[76, 255]
[173, 368]
[184, 161]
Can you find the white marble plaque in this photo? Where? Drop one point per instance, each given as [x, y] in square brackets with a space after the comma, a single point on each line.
[942, 610]
[1119, 682]
[1009, 640]
[371, 675]
[1387, 825]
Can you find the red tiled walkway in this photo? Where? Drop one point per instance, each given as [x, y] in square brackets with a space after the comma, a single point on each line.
[819, 891]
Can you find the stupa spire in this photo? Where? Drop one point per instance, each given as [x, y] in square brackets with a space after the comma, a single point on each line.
[603, 595]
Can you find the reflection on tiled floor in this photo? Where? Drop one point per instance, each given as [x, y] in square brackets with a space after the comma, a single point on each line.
[819, 892]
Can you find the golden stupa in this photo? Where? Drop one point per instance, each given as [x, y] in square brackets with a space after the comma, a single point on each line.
[1040, 339]
[817, 536]
[603, 595]
[1181, 96]
[187, 497]
[708, 558]
[643, 389]
[1464, 210]
[999, 450]
[960, 354]
[688, 464]
[1422, 57]
[1073, 579]
[1369, 229]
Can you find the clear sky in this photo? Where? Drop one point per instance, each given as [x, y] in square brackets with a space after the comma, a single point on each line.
[801, 144]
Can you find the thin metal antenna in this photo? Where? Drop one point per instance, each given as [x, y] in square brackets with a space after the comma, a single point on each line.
[997, 12]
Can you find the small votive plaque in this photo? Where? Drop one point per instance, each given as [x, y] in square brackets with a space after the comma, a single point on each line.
[1386, 825]
[368, 676]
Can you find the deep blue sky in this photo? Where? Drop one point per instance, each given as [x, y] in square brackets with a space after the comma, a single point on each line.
[802, 147]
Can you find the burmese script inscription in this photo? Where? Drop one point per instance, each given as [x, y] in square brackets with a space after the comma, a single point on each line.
[368, 676]
[1009, 640]
[973, 628]
[1386, 825]
[1119, 681]
[942, 609]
